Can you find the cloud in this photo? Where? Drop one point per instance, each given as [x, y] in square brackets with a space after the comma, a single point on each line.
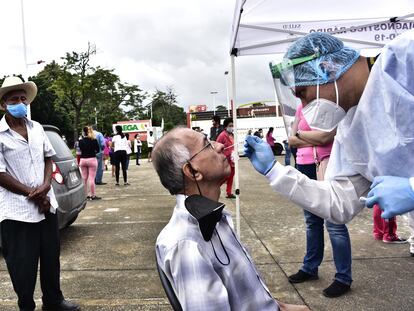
[155, 44]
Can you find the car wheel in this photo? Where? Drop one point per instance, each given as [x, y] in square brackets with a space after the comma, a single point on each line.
[278, 149]
[71, 221]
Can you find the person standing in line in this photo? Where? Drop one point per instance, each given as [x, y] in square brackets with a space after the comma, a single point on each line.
[150, 142]
[120, 145]
[288, 152]
[227, 139]
[294, 151]
[111, 157]
[314, 149]
[216, 129]
[270, 139]
[29, 227]
[99, 156]
[385, 230]
[411, 227]
[106, 151]
[77, 150]
[89, 147]
[137, 148]
[129, 150]
[259, 133]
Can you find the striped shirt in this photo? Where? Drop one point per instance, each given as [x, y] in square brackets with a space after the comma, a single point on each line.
[199, 280]
[25, 162]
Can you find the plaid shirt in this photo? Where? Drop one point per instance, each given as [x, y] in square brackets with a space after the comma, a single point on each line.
[199, 280]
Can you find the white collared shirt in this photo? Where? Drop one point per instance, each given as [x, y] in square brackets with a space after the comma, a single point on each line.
[24, 161]
[192, 265]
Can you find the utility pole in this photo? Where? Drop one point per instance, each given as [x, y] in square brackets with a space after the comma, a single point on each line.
[214, 101]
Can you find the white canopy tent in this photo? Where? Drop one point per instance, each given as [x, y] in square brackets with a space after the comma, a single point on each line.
[270, 26]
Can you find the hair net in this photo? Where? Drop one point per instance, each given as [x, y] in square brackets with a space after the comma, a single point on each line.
[334, 60]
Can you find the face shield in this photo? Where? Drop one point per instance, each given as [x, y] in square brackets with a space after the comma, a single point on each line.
[284, 81]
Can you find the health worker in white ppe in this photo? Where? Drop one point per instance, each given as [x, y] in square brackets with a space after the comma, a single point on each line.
[373, 109]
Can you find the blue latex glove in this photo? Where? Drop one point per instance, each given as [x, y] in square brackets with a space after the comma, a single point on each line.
[259, 153]
[394, 195]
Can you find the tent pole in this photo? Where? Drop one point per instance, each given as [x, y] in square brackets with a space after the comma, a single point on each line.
[236, 147]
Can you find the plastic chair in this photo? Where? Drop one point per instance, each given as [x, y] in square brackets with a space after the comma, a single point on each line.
[169, 291]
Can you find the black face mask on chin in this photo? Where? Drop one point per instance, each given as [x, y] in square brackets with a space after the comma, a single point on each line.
[207, 212]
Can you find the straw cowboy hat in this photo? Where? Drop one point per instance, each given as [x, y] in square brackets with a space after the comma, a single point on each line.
[16, 84]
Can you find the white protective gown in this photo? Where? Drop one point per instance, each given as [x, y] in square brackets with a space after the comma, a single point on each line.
[375, 138]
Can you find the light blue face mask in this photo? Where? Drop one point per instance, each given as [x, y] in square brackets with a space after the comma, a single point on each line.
[18, 111]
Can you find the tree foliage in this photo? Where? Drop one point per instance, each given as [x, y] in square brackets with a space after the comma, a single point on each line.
[164, 106]
[221, 108]
[92, 95]
[75, 93]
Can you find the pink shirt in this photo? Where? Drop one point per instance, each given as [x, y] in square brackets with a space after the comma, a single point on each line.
[270, 139]
[305, 155]
[227, 140]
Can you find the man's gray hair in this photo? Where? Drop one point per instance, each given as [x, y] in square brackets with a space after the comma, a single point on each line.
[169, 157]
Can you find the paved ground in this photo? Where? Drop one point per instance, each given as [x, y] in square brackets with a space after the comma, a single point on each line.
[108, 254]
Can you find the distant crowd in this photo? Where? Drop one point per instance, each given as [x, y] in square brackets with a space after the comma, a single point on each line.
[96, 151]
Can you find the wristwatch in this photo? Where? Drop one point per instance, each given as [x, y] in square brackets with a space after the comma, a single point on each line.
[297, 134]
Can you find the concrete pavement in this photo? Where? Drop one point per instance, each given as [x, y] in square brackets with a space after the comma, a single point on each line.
[107, 257]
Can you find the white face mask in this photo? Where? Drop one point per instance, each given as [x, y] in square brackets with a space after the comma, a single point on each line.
[323, 114]
[230, 129]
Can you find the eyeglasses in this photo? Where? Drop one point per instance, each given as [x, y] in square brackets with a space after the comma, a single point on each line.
[209, 144]
[16, 99]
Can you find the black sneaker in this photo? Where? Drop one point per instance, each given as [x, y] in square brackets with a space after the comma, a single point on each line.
[336, 289]
[65, 305]
[302, 276]
[94, 197]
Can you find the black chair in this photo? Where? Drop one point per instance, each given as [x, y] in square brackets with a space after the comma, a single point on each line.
[169, 291]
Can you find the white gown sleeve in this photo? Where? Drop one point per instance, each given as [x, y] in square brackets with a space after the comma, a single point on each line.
[334, 200]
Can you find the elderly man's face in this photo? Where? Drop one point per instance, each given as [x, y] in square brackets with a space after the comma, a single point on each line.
[207, 157]
[14, 98]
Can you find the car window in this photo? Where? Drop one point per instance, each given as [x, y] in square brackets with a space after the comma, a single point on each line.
[62, 150]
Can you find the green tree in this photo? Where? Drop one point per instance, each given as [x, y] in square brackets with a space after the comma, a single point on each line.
[164, 106]
[87, 93]
[43, 109]
[221, 108]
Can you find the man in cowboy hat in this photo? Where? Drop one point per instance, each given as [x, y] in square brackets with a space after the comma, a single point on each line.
[29, 229]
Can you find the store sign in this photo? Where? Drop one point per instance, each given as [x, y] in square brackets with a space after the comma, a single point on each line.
[133, 126]
[256, 111]
[197, 108]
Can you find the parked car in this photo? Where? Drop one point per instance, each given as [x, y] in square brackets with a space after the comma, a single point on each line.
[66, 180]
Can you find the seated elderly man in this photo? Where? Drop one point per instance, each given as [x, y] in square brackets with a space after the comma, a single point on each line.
[198, 250]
